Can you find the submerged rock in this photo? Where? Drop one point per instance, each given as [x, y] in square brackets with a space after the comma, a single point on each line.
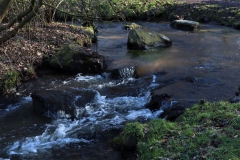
[123, 73]
[61, 104]
[76, 59]
[142, 39]
[185, 25]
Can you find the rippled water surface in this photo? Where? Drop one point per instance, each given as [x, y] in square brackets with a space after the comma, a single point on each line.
[199, 65]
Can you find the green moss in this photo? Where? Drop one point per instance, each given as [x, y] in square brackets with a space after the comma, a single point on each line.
[91, 36]
[114, 9]
[10, 80]
[204, 131]
[64, 56]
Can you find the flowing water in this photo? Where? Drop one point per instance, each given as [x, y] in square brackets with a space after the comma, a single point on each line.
[199, 65]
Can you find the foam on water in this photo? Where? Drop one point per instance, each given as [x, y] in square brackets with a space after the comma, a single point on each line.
[57, 137]
[154, 84]
[102, 114]
[79, 77]
[114, 83]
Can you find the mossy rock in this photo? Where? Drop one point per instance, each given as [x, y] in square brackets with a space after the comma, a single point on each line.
[143, 39]
[76, 59]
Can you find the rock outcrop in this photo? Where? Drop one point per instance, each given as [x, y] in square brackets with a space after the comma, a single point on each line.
[143, 39]
[185, 25]
[76, 59]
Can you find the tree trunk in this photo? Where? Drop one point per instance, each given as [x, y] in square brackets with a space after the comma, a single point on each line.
[4, 7]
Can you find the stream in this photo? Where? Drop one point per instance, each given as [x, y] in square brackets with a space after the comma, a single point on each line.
[199, 65]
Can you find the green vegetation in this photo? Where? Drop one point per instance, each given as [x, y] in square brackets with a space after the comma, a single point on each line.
[9, 80]
[113, 9]
[91, 10]
[205, 131]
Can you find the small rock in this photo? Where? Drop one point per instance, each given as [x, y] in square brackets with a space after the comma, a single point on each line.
[185, 25]
[132, 26]
[123, 73]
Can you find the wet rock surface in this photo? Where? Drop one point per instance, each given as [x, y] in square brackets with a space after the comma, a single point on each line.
[123, 73]
[60, 103]
[171, 108]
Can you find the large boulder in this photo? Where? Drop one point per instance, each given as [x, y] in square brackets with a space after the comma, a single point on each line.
[61, 104]
[185, 25]
[76, 59]
[143, 39]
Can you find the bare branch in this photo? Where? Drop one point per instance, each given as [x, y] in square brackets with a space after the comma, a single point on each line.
[27, 19]
[56, 9]
[18, 17]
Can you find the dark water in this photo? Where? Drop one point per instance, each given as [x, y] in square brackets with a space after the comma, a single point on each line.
[199, 65]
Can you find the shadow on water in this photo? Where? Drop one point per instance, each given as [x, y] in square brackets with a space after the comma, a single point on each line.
[199, 65]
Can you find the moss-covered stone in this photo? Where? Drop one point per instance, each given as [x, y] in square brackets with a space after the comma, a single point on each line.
[143, 39]
[76, 59]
